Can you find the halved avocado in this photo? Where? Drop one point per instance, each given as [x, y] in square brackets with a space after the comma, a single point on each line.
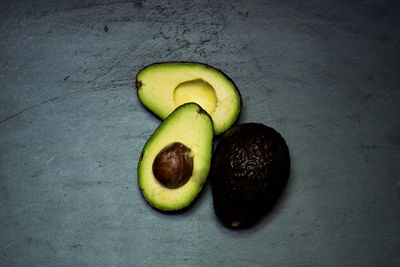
[176, 159]
[162, 87]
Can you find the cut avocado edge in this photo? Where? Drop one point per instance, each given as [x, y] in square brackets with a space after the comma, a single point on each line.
[153, 107]
[186, 200]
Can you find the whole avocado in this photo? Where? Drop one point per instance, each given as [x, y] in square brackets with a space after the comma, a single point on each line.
[251, 169]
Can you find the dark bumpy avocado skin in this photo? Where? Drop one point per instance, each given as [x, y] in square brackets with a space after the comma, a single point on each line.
[251, 168]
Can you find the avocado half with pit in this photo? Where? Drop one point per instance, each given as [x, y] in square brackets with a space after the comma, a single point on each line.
[176, 159]
[162, 87]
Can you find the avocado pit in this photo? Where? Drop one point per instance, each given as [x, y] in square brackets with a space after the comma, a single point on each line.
[173, 165]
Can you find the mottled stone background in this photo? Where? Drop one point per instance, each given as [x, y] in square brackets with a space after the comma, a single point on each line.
[325, 74]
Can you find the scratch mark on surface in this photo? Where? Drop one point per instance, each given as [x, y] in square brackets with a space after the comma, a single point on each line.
[113, 84]
[50, 160]
[15, 114]
[28, 108]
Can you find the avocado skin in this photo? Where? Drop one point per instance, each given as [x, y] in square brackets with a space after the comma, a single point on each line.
[251, 168]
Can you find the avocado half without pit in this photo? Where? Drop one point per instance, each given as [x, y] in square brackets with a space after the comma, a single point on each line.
[162, 87]
[176, 159]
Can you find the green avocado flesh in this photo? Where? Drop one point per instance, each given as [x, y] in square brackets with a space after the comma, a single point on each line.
[176, 159]
[162, 87]
[251, 168]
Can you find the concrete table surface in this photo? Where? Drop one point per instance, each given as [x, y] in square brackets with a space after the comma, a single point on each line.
[325, 75]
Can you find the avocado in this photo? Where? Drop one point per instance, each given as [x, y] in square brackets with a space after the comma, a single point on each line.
[176, 159]
[162, 87]
[250, 170]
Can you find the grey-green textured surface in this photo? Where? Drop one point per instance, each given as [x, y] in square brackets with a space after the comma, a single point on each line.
[326, 76]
